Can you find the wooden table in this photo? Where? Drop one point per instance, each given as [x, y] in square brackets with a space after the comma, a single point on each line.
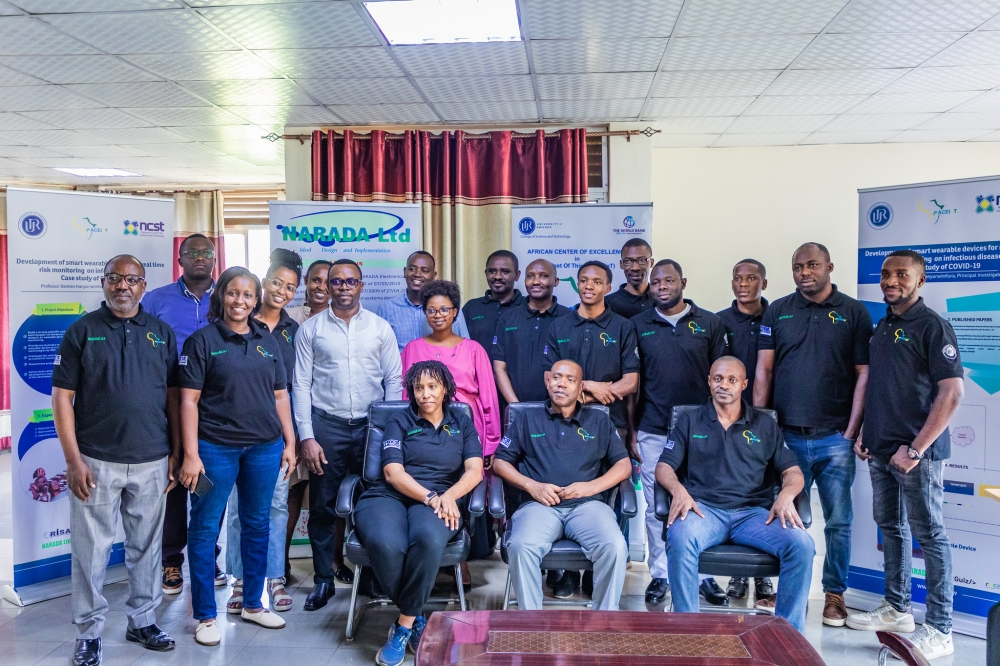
[530, 638]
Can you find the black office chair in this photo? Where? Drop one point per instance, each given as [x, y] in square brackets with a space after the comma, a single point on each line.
[350, 491]
[566, 554]
[730, 559]
[993, 636]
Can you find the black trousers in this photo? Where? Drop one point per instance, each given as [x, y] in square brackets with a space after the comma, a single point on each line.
[343, 445]
[405, 542]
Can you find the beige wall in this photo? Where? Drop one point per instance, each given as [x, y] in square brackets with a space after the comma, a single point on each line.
[715, 206]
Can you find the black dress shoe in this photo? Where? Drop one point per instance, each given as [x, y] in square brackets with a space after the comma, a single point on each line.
[567, 585]
[344, 574]
[320, 594]
[713, 593]
[587, 585]
[737, 588]
[151, 638]
[553, 577]
[656, 591]
[763, 588]
[88, 652]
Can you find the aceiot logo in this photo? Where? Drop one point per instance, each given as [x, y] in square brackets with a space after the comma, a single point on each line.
[526, 226]
[879, 215]
[32, 225]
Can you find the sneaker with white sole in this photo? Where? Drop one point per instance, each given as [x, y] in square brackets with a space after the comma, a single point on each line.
[207, 633]
[931, 643]
[883, 618]
[264, 618]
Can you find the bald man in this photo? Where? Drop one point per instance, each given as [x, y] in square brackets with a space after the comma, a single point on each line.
[554, 456]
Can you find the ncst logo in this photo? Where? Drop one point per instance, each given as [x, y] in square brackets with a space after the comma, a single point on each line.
[526, 226]
[32, 225]
[879, 215]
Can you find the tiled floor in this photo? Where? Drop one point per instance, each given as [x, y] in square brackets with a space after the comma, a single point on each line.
[42, 634]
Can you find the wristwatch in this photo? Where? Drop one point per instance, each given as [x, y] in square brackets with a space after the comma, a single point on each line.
[431, 495]
[914, 454]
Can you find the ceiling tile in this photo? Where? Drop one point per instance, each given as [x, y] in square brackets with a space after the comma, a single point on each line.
[988, 101]
[594, 86]
[769, 17]
[463, 59]
[60, 7]
[98, 151]
[712, 125]
[739, 52]
[778, 124]
[833, 81]
[13, 121]
[135, 135]
[475, 112]
[48, 138]
[477, 88]
[284, 115]
[211, 66]
[304, 26]
[684, 140]
[361, 62]
[735, 140]
[877, 122]
[731, 83]
[992, 136]
[77, 69]
[87, 118]
[615, 19]
[935, 136]
[913, 102]
[570, 56]
[885, 50]
[846, 137]
[42, 98]
[594, 109]
[190, 149]
[243, 133]
[153, 94]
[22, 35]
[978, 48]
[9, 77]
[266, 92]
[27, 151]
[915, 15]
[361, 91]
[790, 105]
[962, 121]
[143, 32]
[181, 116]
[674, 107]
[389, 114]
[946, 79]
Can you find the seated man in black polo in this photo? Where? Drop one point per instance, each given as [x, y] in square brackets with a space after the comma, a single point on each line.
[733, 457]
[556, 457]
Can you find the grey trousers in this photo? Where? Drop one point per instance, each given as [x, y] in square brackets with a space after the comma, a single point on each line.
[137, 493]
[591, 524]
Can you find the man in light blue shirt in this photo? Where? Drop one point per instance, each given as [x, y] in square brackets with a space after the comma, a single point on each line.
[404, 313]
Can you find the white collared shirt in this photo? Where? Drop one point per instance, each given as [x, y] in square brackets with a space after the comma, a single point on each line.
[340, 367]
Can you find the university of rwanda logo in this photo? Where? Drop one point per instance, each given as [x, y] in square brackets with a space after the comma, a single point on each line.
[750, 437]
[835, 317]
[155, 339]
[584, 435]
[131, 229]
[607, 339]
[901, 335]
[695, 328]
[264, 352]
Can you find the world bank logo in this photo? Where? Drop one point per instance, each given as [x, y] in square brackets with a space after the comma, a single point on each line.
[131, 228]
[32, 225]
[628, 222]
[526, 226]
[879, 215]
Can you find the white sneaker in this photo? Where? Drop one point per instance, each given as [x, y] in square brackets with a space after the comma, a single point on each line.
[207, 633]
[931, 643]
[264, 618]
[883, 618]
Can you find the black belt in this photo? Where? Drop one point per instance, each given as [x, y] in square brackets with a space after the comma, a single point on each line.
[810, 432]
[363, 420]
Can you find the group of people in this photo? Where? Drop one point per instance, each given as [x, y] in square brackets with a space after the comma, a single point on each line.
[224, 396]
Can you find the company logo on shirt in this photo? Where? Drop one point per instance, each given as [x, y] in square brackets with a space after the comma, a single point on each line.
[765, 330]
[477, 317]
[450, 430]
[286, 335]
[835, 316]
[750, 437]
[699, 436]
[559, 341]
[607, 339]
[182, 360]
[57, 360]
[392, 444]
[264, 352]
[645, 333]
[537, 434]
[785, 317]
[155, 339]
[900, 335]
[414, 431]
[505, 442]
[216, 353]
[950, 352]
[584, 435]
[670, 444]
[100, 338]
[695, 328]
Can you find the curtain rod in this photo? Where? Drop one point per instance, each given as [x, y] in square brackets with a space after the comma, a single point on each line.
[628, 134]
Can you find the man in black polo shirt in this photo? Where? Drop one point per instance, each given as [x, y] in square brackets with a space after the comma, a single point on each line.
[633, 297]
[556, 456]
[519, 343]
[813, 353]
[915, 388]
[113, 389]
[678, 342]
[481, 314]
[731, 458]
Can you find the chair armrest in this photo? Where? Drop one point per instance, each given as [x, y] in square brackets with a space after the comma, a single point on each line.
[902, 648]
[346, 496]
[477, 499]
[661, 502]
[496, 498]
[629, 502]
[804, 508]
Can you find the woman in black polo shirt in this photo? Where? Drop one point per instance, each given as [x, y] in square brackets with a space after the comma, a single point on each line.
[236, 426]
[431, 459]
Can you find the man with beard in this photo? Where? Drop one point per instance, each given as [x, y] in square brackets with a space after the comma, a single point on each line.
[482, 314]
[633, 297]
[915, 388]
[813, 355]
[317, 296]
[678, 342]
[117, 360]
[404, 313]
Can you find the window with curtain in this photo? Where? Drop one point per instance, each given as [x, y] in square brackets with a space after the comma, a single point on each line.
[247, 237]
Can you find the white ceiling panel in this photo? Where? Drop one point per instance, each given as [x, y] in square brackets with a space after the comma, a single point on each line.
[284, 115]
[213, 66]
[977, 48]
[388, 114]
[915, 15]
[734, 52]
[885, 50]
[935, 136]
[913, 102]
[236, 133]
[190, 149]
[14, 121]
[877, 122]
[992, 136]
[684, 140]
[181, 116]
[266, 92]
[465, 112]
[63, 6]
[571, 56]
[361, 62]
[596, 19]
[594, 86]
[778, 124]
[134, 135]
[820, 138]
[477, 89]
[87, 118]
[833, 81]
[301, 26]
[98, 151]
[738, 17]
[360, 91]
[593, 109]
[463, 59]
[738, 140]
[143, 32]
[962, 121]
[791, 105]
[27, 151]
[732, 83]
[9, 77]
[988, 101]
[77, 69]
[946, 79]
[48, 138]
[677, 126]
[42, 98]
[676, 107]
[153, 94]
[22, 35]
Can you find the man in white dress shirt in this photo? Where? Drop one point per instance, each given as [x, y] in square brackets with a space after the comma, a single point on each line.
[345, 358]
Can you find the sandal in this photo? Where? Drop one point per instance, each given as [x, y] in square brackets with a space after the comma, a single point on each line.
[280, 599]
[235, 603]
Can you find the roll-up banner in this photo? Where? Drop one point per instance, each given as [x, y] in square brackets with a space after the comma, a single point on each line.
[58, 244]
[955, 225]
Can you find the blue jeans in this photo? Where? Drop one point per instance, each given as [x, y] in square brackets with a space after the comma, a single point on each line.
[686, 539]
[829, 461]
[253, 470]
[914, 502]
[277, 526]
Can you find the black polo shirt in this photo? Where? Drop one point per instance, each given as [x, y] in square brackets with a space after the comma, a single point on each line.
[434, 457]
[675, 362]
[121, 370]
[520, 343]
[548, 448]
[237, 375]
[742, 333]
[284, 332]
[482, 314]
[816, 346]
[910, 354]
[627, 304]
[604, 347]
[728, 469]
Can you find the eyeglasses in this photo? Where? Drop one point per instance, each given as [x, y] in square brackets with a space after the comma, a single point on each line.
[130, 280]
[196, 254]
[279, 285]
[431, 312]
[641, 262]
[336, 283]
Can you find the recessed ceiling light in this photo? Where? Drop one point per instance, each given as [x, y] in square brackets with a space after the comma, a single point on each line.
[446, 21]
[98, 173]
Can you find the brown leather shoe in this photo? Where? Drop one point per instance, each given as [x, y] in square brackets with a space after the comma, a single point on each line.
[834, 610]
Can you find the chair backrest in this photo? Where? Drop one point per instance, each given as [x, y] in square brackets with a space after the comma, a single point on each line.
[676, 412]
[520, 407]
[378, 416]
